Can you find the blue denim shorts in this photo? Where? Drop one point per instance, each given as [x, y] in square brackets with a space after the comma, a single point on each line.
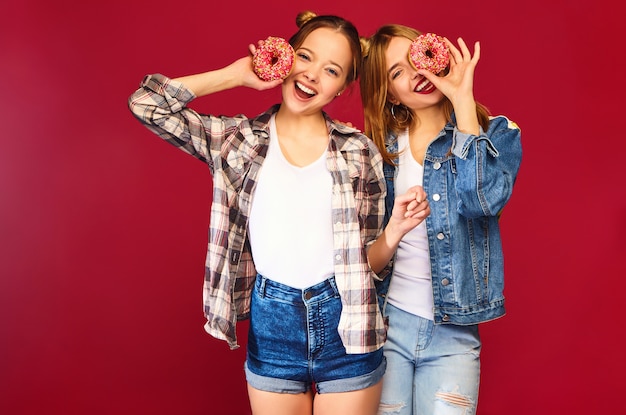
[293, 342]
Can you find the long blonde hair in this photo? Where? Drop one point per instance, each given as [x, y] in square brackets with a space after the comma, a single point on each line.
[374, 83]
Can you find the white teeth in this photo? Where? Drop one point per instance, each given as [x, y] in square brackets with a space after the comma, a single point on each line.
[305, 89]
[422, 85]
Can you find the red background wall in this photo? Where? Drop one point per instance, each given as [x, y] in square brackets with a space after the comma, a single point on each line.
[103, 226]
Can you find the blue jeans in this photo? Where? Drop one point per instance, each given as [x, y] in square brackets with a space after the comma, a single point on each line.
[431, 369]
[293, 342]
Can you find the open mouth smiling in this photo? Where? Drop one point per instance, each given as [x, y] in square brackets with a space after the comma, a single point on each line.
[304, 91]
[424, 86]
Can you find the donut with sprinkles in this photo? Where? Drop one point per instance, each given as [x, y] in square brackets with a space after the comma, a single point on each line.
[273, 59]
[429, 51]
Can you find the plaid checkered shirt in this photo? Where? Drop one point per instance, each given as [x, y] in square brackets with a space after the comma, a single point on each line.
[234, 149]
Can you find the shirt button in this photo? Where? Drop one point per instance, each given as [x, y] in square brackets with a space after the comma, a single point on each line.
[445, 282]
[445, 318]
[441, 236]
[437, 166]
[239, 166]
[338, 257]
[338, 223]
[436, 197]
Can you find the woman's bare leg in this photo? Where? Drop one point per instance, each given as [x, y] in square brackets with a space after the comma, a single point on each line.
[272, 403]
[361, 402]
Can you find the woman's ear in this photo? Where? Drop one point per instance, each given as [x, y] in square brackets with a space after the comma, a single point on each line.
[393, 99]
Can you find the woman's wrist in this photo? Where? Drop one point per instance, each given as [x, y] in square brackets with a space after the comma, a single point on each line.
[466, 117]
[393, 233]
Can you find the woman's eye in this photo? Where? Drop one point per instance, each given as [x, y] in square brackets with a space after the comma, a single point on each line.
[333, 72]
[303, 56]
[395, 74]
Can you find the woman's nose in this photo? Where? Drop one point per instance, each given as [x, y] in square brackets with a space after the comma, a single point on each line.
[311, 74]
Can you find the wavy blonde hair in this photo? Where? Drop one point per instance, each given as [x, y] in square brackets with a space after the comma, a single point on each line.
[374, 84]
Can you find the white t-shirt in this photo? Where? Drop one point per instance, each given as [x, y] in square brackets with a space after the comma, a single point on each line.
[290, 226]
[411, 288]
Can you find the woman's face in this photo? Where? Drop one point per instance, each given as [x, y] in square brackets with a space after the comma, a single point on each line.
[406, 86]
[321, 67]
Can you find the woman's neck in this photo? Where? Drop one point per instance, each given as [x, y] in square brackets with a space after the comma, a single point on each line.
[428, 122]
[424, 129]
[291, 124]
[302, 138]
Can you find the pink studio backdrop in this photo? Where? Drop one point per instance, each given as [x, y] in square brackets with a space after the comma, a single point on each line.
[103, 226]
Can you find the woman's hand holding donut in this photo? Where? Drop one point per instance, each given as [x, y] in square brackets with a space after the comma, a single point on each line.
[238, 73]
[458, 84]
[243, 67]
[241, 72]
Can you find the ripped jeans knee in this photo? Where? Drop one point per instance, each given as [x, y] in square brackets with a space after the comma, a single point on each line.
[444, 403]
[391, 408]
[453, 403]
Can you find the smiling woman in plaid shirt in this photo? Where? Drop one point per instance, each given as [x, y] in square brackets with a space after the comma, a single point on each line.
[297, 200]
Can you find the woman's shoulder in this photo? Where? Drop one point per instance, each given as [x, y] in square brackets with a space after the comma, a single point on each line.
[353, 140]
[499, 122]
[348, 137]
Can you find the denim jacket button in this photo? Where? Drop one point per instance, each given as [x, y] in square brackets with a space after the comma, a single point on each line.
[445, 318]
[437, 166]
[445, 282]
[440, 236]
[436, 197]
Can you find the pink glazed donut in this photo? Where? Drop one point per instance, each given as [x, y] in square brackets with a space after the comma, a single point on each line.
[273, 59]
[429, 51]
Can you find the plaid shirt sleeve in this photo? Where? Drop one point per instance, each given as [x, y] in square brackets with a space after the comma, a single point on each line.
[225, 144]
[161, 105]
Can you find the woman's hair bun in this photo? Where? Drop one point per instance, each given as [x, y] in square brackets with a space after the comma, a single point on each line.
[304, 17]
[365, 46]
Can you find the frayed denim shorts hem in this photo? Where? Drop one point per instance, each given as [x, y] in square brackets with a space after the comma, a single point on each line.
[294, 345]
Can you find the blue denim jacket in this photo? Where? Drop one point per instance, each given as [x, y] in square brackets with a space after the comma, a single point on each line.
[468, 180]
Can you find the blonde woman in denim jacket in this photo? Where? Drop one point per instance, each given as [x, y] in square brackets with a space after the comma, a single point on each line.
[445, 276]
